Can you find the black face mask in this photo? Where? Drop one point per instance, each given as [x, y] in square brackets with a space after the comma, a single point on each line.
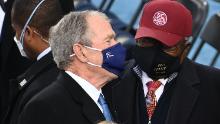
[156, 63]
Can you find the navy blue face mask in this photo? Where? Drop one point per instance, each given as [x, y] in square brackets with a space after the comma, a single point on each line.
[113, 59]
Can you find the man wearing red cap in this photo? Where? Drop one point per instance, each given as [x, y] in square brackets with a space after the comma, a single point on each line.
[164, 87]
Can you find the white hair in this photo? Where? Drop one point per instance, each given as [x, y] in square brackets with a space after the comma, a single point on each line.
[71, 29]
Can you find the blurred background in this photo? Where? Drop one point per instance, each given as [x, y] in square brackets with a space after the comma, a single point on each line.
[125, 15]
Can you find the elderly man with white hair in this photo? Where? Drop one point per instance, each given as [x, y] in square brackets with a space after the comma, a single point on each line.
[84, 47]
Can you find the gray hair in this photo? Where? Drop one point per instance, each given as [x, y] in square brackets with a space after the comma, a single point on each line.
[71, 29]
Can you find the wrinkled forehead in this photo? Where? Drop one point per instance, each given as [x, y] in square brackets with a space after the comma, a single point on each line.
[99, 27]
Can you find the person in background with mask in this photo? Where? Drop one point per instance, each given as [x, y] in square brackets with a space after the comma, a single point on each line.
[84, 48]
[12, 63]
[165, 87]
[31, 24]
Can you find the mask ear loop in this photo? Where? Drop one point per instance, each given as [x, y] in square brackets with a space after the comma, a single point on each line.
[88, 48]
[41, 37]
[89, 62]
[93, 48]
[28, 21]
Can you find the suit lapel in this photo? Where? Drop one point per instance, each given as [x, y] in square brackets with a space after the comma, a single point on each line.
[91, 110]
[89, 107]
[133, 104]
[184, 95]
[35, 70]
[2, 6]
[107, 90]
[141, 110]
[26, 78]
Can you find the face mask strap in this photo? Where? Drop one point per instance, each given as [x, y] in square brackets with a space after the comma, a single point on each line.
[28, 21]
[87, 62]
[15, 39]
[41, 36]
[93, 48]
[94, 64]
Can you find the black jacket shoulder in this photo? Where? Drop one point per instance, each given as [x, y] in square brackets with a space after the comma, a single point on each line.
[63, 102]
[41, 74]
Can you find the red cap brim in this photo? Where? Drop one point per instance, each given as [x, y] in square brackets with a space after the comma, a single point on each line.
[168, 39]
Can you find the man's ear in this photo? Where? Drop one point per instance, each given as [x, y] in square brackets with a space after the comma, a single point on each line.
[186, 48]
[28, 34]
[79, 52]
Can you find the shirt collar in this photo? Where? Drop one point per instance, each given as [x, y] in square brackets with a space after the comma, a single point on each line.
[145, 79]
[42, 54]
[87, 87]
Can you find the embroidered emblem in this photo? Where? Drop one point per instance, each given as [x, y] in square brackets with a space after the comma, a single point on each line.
[160, 18]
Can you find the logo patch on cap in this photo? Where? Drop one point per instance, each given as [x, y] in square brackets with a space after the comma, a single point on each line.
[160, 18]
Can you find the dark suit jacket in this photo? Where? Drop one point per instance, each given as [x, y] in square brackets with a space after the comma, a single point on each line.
[2, 5]
[41, 74]
[63, 102]
[195, 99]
[12, 63]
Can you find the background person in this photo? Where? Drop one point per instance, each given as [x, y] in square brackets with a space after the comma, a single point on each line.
[31, 24]
[165, 87]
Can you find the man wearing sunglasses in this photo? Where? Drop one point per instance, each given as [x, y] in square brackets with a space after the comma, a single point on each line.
[165, 87]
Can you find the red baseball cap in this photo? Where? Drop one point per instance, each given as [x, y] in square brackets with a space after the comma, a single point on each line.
[165, 20]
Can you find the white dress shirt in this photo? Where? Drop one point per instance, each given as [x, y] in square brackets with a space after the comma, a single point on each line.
[42, 54]
[2, 16]
[88, 88]
[145, 79]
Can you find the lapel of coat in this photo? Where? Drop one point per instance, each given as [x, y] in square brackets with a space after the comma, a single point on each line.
[2, 6]
[184, 95]
[89, 107]
[35, 69]
[19, 85]
[141, 110]
[141, 116]
[107, 90]
[134, 105]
